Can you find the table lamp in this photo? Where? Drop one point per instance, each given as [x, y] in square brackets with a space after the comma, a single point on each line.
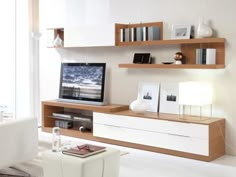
[193, 93]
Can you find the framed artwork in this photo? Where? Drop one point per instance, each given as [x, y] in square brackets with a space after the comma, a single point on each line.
[149, 92]
[169, 98]
[181, 32]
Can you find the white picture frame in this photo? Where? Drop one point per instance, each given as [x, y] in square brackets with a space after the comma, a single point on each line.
[181, 32]
[169, 98]
[149, 92]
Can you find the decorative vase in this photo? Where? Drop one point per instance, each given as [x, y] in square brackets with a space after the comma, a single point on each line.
[139, 105]
[57, 42]
[56, 139]
[203, 30]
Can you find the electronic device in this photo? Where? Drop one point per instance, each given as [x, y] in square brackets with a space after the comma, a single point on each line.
[82, 83]
[142, 58]
[64, 124]
[84, 129]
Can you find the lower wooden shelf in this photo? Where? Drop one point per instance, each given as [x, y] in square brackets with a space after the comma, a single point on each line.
[72, 133]
[172, 66]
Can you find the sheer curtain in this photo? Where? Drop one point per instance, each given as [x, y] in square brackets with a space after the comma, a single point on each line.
[8, 53]
[18, 66]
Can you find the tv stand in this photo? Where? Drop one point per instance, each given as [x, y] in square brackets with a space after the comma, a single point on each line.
[201, 138]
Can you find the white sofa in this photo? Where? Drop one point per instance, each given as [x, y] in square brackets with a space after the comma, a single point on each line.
[19, 141]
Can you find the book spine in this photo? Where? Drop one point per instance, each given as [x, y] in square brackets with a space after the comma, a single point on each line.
[203, 56]
[210, 56]
[121, 35]
[144, 34]
[198, 56]
[132, 34]
[139, 34]
[127, 35]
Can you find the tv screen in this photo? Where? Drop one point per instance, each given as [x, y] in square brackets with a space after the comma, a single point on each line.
[82, 82]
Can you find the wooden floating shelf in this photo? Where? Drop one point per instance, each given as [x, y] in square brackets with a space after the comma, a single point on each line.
[172, 66]
[173, 42]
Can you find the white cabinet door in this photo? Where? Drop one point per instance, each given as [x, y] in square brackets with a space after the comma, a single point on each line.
[89, 35]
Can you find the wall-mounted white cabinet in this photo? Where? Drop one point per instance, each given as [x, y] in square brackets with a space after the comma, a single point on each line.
[89, 35]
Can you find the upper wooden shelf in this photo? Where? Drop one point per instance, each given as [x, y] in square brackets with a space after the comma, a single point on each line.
[173, 42]
[105, 108]
[172, 66]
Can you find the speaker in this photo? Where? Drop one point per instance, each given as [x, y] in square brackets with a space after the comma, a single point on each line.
[142, 58]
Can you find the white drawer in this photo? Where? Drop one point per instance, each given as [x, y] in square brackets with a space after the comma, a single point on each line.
[161, 126]
[161, 140]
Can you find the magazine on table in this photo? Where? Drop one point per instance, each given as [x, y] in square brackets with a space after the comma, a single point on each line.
[84, 150]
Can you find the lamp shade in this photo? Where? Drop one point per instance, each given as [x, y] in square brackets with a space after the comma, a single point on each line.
[195, 93]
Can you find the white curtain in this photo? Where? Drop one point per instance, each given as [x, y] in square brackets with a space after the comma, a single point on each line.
[18, 61]
[27, 58]
[7, 56]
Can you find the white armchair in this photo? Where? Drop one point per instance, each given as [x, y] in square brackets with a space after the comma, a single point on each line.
[19, 141]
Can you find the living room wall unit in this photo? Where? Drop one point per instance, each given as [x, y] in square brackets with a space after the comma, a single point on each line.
[123, 82]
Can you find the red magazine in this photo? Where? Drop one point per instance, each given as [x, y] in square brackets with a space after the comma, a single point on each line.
[84, 150]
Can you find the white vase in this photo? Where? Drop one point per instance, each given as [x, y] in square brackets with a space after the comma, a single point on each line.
[203, 30]
[139, 105]
[57, 42]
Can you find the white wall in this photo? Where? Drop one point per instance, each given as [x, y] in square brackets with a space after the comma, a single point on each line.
[123, 82]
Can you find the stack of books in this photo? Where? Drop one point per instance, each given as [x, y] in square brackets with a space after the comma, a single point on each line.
[140, 34]
[84, 150]
[205, 56]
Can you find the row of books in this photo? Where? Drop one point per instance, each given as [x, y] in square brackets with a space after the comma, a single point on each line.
[84, 150]
[205, 56]
[140, 34]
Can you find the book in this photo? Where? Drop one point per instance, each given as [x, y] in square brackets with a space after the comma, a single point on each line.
[201, 56]
[153, 33]
[122, 35]
[127, 35]
[139, 34]
[84, 150]
[210, 56]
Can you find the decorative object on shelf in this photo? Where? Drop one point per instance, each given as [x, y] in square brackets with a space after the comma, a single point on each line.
[167, 62]
[195, 93]
[181, 32]
[178, 58]
[169, 98]
[203, 30]
[139, 105]
[149, 92]
[58, 41]
[142, 58]
[56, 139]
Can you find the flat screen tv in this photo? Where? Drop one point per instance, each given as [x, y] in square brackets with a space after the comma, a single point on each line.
[82, 83]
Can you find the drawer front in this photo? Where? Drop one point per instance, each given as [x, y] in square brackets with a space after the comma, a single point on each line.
[161, 126]
[161, 140]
